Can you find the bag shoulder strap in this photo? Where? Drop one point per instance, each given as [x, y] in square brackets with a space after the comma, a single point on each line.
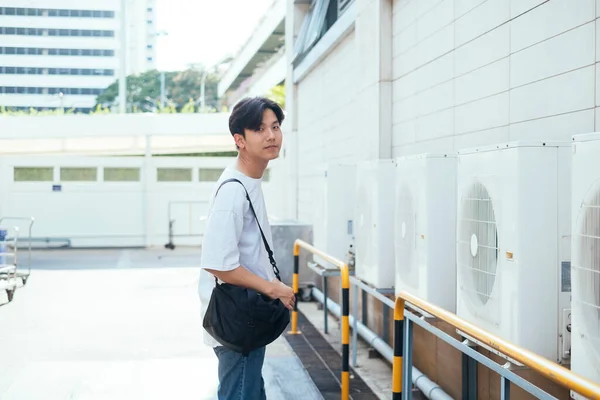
[266, 244]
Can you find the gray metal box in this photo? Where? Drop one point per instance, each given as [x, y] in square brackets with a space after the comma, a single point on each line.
[285, 233]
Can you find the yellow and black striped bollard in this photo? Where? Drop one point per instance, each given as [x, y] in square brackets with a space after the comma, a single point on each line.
[398, 349]
[345, 332]
[295, 283]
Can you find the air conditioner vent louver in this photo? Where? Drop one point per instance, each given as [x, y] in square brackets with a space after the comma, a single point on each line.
[478, 244]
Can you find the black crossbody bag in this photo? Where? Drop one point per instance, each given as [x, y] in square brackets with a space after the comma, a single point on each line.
[243, 319]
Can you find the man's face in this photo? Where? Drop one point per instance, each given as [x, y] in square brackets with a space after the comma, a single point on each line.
[265, 143]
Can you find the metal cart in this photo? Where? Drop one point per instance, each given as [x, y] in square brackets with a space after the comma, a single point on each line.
[22, 274]
[8, 265]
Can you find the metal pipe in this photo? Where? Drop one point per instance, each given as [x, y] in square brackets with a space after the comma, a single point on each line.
[430, 389]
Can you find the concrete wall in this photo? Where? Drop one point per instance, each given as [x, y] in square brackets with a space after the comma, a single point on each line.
[99, 211]
[471, 73]
[326, 121]
[438, 76]
[111, 134]
[411, 76]
[113, 125]
[416, 76]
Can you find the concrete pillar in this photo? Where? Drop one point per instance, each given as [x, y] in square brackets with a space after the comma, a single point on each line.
[373, 35]
[293, 21]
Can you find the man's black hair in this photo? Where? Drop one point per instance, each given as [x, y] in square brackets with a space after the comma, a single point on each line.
[248, 114]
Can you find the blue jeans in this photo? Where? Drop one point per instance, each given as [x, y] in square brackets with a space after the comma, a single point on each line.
[240, 378]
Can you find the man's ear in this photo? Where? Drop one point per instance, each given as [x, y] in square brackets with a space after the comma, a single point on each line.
[239, 140]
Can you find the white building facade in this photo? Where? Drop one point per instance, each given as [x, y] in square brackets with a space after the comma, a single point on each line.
[380, 79]
[64, 53]
[397, 77]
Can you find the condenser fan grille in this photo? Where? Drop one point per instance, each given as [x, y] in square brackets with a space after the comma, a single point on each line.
[405, 228]
[478, 244]
[586, 270]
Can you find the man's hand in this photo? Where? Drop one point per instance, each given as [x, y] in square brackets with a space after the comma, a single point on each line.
[274, 289]
[283, 293]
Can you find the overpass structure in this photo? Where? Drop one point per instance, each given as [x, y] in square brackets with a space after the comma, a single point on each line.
[261, 63]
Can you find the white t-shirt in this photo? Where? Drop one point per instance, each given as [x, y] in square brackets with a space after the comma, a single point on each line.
[232, 238]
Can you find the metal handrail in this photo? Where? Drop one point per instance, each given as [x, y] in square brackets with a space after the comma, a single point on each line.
[31, 221]
[541, 365]
[345, 307]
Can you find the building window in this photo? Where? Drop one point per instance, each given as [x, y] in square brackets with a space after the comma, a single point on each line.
[50, 91]
[78, 174]
[55, 32]
[121, 174]
[33, 174]
[21, 71]
[72, 71]
[209, 174]
[39, 12]
[149, 59]
[56, 52]
[174, 175]
[321, 16]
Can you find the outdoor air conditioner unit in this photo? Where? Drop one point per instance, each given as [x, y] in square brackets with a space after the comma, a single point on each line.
[334, 210]
[585, 355]
[374, 223]
[513, 244]
[425, 229]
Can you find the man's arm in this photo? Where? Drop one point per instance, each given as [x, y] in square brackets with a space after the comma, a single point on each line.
[242, 277]
[220, 253]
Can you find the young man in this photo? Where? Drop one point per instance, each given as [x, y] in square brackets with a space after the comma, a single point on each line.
[232, 248]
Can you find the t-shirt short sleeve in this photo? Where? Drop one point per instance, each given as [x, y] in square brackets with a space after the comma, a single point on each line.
[220, 250]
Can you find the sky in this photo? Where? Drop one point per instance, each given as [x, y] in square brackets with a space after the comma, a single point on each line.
[204, 31]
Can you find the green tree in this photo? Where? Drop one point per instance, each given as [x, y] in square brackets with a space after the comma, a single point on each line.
[140, 88]
[143, 91]
[277, 94]
[187, 84]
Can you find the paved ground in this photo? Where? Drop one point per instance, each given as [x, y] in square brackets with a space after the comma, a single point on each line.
[118, 325]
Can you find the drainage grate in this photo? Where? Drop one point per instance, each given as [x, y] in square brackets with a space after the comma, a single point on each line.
[324, 364]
